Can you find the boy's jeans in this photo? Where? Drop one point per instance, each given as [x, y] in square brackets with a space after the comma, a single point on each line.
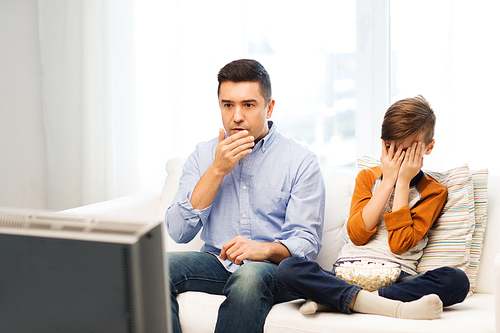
[250, 291]
[307, 279]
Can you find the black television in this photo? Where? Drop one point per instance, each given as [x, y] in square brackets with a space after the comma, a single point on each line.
[62, 273]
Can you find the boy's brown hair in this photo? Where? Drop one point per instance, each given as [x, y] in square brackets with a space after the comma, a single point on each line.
[409, 117]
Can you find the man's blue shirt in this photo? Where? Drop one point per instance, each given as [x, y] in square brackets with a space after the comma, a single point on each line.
[276, 194]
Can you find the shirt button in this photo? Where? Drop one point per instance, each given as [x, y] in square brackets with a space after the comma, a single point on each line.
[244, 215]
[244, 187]
[263, 149]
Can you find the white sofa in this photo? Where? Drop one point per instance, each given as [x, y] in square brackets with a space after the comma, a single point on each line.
[198, 311]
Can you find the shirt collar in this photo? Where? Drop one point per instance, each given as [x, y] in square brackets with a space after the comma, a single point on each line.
[266, 141]
[417, 178]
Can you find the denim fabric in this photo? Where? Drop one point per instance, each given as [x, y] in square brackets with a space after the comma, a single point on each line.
[251, 287]
[449, 283]
[307, 279]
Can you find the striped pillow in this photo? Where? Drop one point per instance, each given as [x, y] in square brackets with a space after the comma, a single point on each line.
[450, 237]
[480, 182]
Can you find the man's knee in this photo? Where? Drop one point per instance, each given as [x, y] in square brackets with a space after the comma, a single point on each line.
[252, 277]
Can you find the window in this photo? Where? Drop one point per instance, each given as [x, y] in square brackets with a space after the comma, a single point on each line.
[445, 51]
[309, 51]
[335, 67]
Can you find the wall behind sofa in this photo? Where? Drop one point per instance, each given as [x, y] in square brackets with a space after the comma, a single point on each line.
[22, 152]
[66, 125]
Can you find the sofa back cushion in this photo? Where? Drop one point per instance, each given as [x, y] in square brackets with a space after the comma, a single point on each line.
[174, 172]
[491, 247]
[339, 186]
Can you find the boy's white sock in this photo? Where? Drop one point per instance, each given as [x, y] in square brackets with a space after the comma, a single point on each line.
[427, 307]
[310, 307]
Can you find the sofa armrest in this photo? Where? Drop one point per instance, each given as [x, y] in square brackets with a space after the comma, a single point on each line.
[497, 291]
[132, 206]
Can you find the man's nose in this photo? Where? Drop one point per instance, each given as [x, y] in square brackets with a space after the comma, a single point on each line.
[238, 115]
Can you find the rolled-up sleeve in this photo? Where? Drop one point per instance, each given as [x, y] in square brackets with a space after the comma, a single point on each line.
[182, 220]
[303, 227]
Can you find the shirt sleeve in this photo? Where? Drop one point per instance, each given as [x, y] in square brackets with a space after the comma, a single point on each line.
[182, 220]
[362, 194]
[303, 227]
[407, 226]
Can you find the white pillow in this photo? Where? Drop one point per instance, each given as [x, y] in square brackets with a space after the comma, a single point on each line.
[174, 172]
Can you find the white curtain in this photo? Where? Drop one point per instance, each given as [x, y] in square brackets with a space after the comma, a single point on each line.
[448, 51]
[128, 84]
[87, 60]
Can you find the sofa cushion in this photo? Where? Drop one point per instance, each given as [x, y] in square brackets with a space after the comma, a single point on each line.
[475, 314]
[491, 245]
[198, 314]
[339, 187]
[174, 172]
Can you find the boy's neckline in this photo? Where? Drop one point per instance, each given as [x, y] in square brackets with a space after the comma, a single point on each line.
[417, 178]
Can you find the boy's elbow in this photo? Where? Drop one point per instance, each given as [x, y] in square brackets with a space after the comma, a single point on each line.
[399, 248]
[357, 242]
[355, 238]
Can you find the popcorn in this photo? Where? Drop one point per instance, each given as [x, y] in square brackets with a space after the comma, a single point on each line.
[369, 275]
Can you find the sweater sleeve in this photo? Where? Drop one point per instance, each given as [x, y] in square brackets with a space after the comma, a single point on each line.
[407, 226]
[362, 194]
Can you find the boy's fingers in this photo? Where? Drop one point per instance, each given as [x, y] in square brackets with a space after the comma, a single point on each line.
[384, 148]
[421, 150]
[398, 152]
[401, 157]
[411, 151]
[416, 151]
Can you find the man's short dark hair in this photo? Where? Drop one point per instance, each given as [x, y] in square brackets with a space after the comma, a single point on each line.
[246, 70]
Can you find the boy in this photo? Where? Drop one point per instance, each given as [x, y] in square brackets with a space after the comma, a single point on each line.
[392, 208]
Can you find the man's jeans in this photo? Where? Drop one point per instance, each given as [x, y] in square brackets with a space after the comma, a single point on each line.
[250, 291]
[307, 279]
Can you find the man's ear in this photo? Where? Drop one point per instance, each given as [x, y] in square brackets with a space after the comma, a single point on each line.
[430, 147]
[270, 108]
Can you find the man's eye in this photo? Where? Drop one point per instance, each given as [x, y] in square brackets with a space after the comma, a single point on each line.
[227, 105]
[248, 105]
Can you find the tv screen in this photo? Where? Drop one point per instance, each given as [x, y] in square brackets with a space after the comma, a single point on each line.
[81, 274]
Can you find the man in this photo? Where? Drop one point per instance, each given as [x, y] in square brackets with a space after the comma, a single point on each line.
[257, 197]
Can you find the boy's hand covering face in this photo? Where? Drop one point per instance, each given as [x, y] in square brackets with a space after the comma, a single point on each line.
[391, 160]
[412, 162]
[401, 164]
